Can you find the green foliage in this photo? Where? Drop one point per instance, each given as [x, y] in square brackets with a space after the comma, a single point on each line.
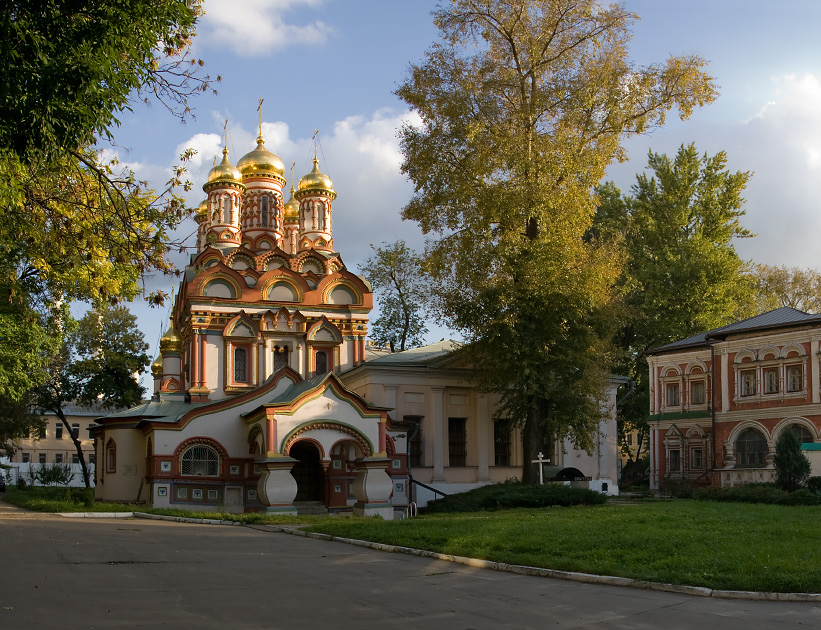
[814, 485]
[523, 105]
[70, 68]
[792, 468]
[508, 495]
[396, 273]
[52, 474]
[76, 227]
[746, 493]
[682, 274]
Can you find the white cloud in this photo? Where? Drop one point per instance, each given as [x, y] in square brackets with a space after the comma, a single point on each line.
[255, 28]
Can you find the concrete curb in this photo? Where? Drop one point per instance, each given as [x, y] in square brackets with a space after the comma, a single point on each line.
[184, 519]
[96, 514]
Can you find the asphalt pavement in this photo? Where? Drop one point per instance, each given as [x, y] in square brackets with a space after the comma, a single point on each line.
[134, 573]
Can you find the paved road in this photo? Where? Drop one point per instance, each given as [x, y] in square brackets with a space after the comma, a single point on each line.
[84, 573]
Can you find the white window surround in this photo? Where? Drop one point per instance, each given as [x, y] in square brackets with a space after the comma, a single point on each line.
[765, 386]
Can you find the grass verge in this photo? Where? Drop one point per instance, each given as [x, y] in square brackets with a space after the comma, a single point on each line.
[82, 500]
[716, 545]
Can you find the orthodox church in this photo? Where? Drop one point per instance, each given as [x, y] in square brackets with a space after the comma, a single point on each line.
[267, 396]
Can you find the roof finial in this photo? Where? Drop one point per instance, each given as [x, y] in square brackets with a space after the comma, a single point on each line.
[316, 161]
[293, 164]
[259, 109]
[225, 141]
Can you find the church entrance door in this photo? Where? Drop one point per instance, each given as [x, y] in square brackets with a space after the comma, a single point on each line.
[307, 472]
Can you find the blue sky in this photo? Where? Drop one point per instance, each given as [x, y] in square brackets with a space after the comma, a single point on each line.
[333, 65]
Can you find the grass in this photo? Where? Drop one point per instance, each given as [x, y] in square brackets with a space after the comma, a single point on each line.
[81, 500]
[717, 545]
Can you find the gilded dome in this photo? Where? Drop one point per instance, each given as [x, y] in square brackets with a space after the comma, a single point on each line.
[170, 341]
[224, 171]
[292, 209]
[316, 180]
[156, 367]
[260, 160]
[202, 211]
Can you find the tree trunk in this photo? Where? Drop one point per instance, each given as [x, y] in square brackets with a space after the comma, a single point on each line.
[532, 444]
[77, 446]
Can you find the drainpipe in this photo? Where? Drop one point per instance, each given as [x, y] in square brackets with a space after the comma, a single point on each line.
[713, 403]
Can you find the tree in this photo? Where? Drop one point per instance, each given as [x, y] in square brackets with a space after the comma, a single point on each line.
[523, 104]
[395, 272]
[76, 227]
[97, 364]
[682, 275]
[786, 286]
[71, 68]
[792, 468]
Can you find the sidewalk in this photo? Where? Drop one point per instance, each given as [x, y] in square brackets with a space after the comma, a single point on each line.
[9, 511]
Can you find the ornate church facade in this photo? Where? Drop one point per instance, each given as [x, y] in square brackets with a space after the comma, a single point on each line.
[266, 394]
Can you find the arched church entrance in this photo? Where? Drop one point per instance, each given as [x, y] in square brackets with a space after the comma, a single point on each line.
[307, 471]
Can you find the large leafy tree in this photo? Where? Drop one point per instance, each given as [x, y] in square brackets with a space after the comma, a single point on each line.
[786, 286]
[76, 227]
[523, 104]
[396, 273]
[682, 274]
[99, 363]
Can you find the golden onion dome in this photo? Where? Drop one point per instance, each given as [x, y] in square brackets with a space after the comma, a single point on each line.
[316, 180]
[260, 160]
[224, 171]
[291, 210]
[202, 211]
[170, 341]
[156, 367]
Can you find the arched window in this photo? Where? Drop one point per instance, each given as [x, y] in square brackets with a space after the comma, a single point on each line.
[240, 365]
[200, 460]
[320, 211]
[750, 448]
[321, 362]
[748, 384]
[802, 433]
[264, 212]
[771, 381]
[280, 358]
[794, 383]
[111, 456]
[226, 209]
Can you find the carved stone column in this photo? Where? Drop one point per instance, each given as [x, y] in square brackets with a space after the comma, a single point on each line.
[372, 488]
[276, 485]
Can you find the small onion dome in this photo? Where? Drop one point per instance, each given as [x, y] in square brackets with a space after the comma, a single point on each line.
[170, 341]
[291, 209]
[316, 181]
[156, 367]
[202, 211]
[224, 171]
[261, 160]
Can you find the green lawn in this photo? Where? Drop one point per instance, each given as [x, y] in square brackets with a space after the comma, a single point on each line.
[82, 500]
[718, 545]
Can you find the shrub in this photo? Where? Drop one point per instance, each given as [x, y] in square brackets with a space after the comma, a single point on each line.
[802, 496]
[747, 493]
[814, 485]
[792, 468]
[512, 494]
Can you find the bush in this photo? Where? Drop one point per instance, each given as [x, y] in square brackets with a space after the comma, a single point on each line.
[802, 496]
[792, 468]
[814, 485]
[747, 493]
[512, 494]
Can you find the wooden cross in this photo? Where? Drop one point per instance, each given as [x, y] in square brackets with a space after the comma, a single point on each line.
[541, 461]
